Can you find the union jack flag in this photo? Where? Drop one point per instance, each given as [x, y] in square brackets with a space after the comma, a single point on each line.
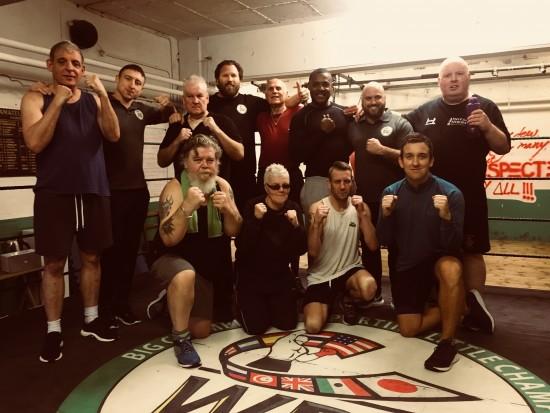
[345, 345]
[297, 384]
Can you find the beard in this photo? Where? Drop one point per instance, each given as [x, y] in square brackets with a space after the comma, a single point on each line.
[207, 187]
[228, 90]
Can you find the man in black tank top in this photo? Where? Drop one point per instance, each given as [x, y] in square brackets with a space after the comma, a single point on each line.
[197, 218]
[66, 132]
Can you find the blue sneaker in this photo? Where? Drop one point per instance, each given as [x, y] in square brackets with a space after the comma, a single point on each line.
[186, 354]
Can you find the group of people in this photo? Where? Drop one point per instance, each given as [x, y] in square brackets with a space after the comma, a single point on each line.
[90, 182]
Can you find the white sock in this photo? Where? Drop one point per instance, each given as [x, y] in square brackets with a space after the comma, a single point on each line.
[54, 326]
[90, 313]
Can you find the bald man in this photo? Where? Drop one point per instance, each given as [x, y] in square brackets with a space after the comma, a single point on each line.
[376, 139]
[461, 159]
[273, 127]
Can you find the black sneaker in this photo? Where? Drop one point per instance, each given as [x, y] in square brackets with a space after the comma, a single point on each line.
[157, 306]
[375, 302]
[443, 357]
[51, 351]
[127, 317]
[99, 329]
[350, 316]
[479, 317]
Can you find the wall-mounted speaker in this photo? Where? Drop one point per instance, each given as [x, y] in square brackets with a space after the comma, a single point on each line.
[82, 33]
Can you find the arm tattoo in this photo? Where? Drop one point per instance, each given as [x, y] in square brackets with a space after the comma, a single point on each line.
[165, 207]
[231, 194]
[168, 226]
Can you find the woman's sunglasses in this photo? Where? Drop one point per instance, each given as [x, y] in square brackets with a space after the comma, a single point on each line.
[277, 187]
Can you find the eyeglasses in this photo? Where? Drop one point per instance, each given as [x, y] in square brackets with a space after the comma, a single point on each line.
[277, 187]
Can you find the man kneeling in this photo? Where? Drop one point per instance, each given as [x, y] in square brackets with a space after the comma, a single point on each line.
[197, 219]
[335, 267]
[420, 220]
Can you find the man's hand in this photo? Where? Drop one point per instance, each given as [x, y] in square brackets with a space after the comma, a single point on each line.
[388, 204]
[194, 199]
[220, 200]
[351, 110]
[162, 100]
[259, 210]
[303, 93]
[374, 146]
[321, 214]
[62, 94]
[480, 119]
[185, 133]
[210, 123]
[175, 117]
[441, 203]
[362, 208]
[41, 87]
[292, 217]
[93, 82]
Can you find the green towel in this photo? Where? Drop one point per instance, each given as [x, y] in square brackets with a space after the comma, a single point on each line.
[214, 217]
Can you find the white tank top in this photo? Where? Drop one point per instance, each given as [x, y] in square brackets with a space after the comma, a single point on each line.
[340, 247]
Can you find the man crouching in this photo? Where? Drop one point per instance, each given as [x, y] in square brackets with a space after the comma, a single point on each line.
[197, 218]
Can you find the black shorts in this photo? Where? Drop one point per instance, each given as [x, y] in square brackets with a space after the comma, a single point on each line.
[476, 222]
[58, 217]
[167, 266]
[411, 288]
[326, 292]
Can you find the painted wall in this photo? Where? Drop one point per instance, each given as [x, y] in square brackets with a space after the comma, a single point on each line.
[386, 31]
[43, 23]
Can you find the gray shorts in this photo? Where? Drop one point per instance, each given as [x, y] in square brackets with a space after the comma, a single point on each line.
[167, 266]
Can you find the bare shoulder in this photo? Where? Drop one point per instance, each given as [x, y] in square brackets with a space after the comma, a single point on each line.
[32, 99]
[223, 184]
[171, 189]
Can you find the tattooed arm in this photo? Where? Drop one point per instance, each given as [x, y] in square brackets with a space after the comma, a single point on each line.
[172, 216]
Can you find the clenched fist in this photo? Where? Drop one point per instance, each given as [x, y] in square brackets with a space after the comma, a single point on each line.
[388, 204]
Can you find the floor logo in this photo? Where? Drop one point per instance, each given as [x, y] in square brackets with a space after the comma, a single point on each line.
[365, 368]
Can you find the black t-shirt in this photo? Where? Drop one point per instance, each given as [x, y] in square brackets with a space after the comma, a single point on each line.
[124, 159]
[374, 172]
[224, 123]
[243, 110]
[318, 137]
[459, 157]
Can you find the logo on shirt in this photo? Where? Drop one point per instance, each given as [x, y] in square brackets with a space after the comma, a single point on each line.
[457, 122]
[139, 114]
[241, 109]
[430, 122]
[386, 131]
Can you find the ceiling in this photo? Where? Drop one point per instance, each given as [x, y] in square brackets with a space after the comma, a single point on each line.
[199, 18]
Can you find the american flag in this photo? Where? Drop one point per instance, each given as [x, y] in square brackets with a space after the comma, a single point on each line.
[345, 345]
[297, 383]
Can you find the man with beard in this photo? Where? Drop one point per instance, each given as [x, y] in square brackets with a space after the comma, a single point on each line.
[461, 144]
[335, 269]
[199, 120]
[197, 218]
[243, 109]
[319, 137]
[376, 139]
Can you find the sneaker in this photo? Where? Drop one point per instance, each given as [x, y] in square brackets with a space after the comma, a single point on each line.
[350, 316]
[479, 317]
[127, 317]
[112, 322]
[375, 302]
[157, 306]
[186, 354]
[51, 351]
[443, 357]
[98, 329]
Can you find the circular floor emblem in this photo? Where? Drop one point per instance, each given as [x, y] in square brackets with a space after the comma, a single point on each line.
[365, 368]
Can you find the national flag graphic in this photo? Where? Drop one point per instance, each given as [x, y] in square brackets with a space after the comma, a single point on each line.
[269, 339]
[341, 386]
[345, 345]
[263, 379]
[249, 344]
[236, 373]
[295, 383]
[399, 386]
[230, 351]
